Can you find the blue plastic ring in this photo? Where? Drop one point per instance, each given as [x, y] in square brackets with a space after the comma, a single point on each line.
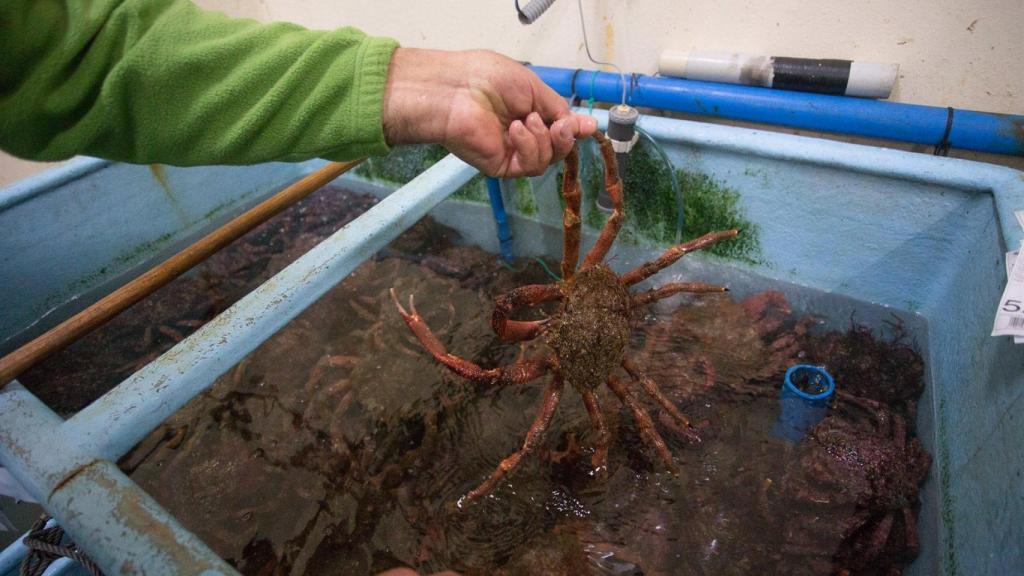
[817, 370]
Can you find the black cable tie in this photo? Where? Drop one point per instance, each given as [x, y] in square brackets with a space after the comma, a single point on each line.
[942, 148]
[634, 82]
[576, 100]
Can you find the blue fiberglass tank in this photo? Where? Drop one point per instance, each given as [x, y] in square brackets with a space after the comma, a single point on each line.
[880, 232]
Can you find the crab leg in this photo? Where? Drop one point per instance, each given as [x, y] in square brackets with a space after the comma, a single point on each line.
[667, 290]
[652, 389]
[518, 373]
[517, 330]
[643, 422]
[613, 185]
[552, 394]
[879, 536]
[648, 269]
[571, 217]
[597, 421]
[910, 529]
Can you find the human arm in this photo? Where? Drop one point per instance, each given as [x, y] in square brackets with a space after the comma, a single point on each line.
[161, 81]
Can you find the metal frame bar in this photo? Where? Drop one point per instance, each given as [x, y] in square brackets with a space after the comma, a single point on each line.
[68, 465]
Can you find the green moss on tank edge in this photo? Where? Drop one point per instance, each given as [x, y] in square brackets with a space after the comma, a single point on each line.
[650, 201]
[473, 191]
[708, 206]
[119, 264]
[402, 164]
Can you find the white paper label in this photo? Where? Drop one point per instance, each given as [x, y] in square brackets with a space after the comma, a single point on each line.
[1011, 258]
[1010, 313]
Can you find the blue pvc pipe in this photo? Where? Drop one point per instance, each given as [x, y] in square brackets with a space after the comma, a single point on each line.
[970, 130]
[500, 218]
[801, 410]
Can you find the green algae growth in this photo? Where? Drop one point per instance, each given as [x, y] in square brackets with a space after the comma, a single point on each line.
[650, 202]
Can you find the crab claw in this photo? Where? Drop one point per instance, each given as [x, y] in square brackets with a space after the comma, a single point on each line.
[401, 310]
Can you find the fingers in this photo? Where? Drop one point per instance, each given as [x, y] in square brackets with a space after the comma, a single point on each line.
[544, 139]
[554, 109]
[586, 126]
[525, 151]
[535, 146]
[562, 138]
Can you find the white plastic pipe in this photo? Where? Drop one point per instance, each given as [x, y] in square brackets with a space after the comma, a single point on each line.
[850, 78]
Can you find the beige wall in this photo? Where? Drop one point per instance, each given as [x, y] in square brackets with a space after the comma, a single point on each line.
[962, 53]
[942, 62]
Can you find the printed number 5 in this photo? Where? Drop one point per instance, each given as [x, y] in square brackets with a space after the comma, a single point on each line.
[1012, 306]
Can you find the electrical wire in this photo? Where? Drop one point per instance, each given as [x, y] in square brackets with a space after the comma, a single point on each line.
[586, 44]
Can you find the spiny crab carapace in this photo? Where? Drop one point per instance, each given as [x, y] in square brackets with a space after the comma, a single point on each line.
[587, 336]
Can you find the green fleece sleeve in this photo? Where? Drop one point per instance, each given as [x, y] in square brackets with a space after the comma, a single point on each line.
[162, 81]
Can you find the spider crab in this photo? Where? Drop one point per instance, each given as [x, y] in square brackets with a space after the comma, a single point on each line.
[587, 336]
[869, 476]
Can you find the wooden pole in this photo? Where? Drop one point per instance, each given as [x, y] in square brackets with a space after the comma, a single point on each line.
[70, 330]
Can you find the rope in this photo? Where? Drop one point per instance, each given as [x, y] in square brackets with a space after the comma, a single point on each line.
[45, 547]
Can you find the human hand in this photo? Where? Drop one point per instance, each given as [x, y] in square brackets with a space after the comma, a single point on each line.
[485, 108]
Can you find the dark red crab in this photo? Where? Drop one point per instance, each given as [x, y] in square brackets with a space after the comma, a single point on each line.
[854, 491]
[587, 335]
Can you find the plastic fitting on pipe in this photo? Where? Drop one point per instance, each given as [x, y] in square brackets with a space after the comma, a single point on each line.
[623, 136]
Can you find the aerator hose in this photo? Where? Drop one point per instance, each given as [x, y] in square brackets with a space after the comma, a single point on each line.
[676, 188]
[804, 400]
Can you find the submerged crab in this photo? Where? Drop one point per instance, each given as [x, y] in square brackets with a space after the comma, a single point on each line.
[588, 334]
[855, 491]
